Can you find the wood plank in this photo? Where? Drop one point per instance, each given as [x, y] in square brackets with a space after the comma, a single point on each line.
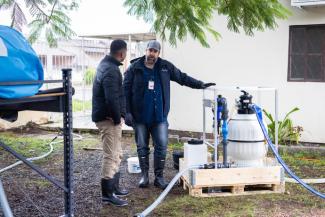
[237, 176]
[234, 176]
[234, 190]
[47, 95]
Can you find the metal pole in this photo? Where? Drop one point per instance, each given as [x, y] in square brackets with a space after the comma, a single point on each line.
[4, 203]
[68, 143]
[276, 120]
[83, 76]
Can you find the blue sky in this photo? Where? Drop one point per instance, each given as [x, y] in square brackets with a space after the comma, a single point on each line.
[99, 17]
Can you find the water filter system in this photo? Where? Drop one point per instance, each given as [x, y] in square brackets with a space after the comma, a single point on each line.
[245, 141]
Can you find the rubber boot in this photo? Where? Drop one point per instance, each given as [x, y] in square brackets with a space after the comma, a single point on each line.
[108, 193]
[117, 190]
[144, 165]
[159, 173]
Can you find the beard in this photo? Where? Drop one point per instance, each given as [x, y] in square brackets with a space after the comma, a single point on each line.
[151, 60]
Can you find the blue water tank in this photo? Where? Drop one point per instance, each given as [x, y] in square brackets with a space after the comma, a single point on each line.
[18, 62]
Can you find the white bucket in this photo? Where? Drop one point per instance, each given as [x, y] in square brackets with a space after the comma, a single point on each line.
[133, 165]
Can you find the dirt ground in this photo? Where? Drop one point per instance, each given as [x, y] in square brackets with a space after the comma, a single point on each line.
[31, 195]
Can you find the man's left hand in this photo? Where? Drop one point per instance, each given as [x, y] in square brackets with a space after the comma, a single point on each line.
[205, 85]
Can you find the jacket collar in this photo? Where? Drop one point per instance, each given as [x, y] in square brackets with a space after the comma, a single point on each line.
[111, 59]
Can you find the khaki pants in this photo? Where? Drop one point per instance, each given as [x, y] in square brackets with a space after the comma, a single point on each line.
[111, 136]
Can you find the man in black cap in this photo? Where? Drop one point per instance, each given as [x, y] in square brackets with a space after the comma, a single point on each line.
[108, 112]
[147, 91]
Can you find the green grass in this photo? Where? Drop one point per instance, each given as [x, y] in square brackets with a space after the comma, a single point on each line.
[42, 183]
[176, 146]
[30, 146]
[86, 142]
[77, 105]
[26, 146]
[205, 207]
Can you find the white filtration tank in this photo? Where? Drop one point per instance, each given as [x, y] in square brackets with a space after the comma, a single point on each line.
[246, 147]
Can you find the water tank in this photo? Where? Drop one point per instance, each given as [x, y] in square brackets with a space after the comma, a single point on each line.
[18, 62]
[195, 153]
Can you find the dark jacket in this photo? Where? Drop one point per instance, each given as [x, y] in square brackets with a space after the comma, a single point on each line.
[108, 95]
[134, 85]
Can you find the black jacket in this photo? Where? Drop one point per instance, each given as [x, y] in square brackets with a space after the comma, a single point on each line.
[108, 97]
[134, 85]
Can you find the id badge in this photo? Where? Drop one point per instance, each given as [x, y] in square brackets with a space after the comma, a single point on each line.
[151, 85]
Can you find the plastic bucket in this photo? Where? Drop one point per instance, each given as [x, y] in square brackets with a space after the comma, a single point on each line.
[133, 165]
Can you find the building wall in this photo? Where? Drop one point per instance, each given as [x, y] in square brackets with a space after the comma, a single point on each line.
[239, 60]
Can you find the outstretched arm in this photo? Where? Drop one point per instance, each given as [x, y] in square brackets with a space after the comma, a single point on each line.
[184, 79]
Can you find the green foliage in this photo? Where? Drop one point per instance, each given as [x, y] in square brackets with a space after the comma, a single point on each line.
[176, 146]
[89, 76]
[172, 20]
[49, 18]
[286, 130]
[26, 146]
[78, 105]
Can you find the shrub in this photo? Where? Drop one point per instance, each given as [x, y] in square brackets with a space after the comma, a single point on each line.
[89, 76]
[286, 130]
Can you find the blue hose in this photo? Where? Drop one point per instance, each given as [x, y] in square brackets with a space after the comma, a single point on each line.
[287, 169]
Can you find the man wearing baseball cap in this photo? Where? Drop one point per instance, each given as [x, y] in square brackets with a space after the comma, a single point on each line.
[147, 91]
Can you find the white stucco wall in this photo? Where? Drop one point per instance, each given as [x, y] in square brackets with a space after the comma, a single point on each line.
[239, 60]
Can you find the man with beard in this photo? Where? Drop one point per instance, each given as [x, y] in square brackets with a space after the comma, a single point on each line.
[147, 91]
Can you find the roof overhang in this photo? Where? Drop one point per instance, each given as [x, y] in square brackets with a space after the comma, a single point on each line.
[125, 36]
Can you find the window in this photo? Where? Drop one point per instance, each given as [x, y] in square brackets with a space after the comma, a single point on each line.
[43, 59]
[60, 62]
[307, 53]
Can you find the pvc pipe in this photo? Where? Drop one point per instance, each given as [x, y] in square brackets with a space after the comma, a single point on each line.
[309, 181]
[276, 140]
[209, 144]
[204, 127]
[240, 88]
[4, 203]
[215, 128]
[166, 191]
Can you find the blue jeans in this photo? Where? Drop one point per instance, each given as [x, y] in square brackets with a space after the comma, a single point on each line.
[159, 135]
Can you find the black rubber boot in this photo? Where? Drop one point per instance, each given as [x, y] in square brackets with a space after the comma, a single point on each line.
[159, 173]
[144, 165]
[108, 193]
[117, 190]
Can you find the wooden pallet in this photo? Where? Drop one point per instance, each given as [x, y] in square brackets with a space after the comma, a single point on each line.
[233, 181]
